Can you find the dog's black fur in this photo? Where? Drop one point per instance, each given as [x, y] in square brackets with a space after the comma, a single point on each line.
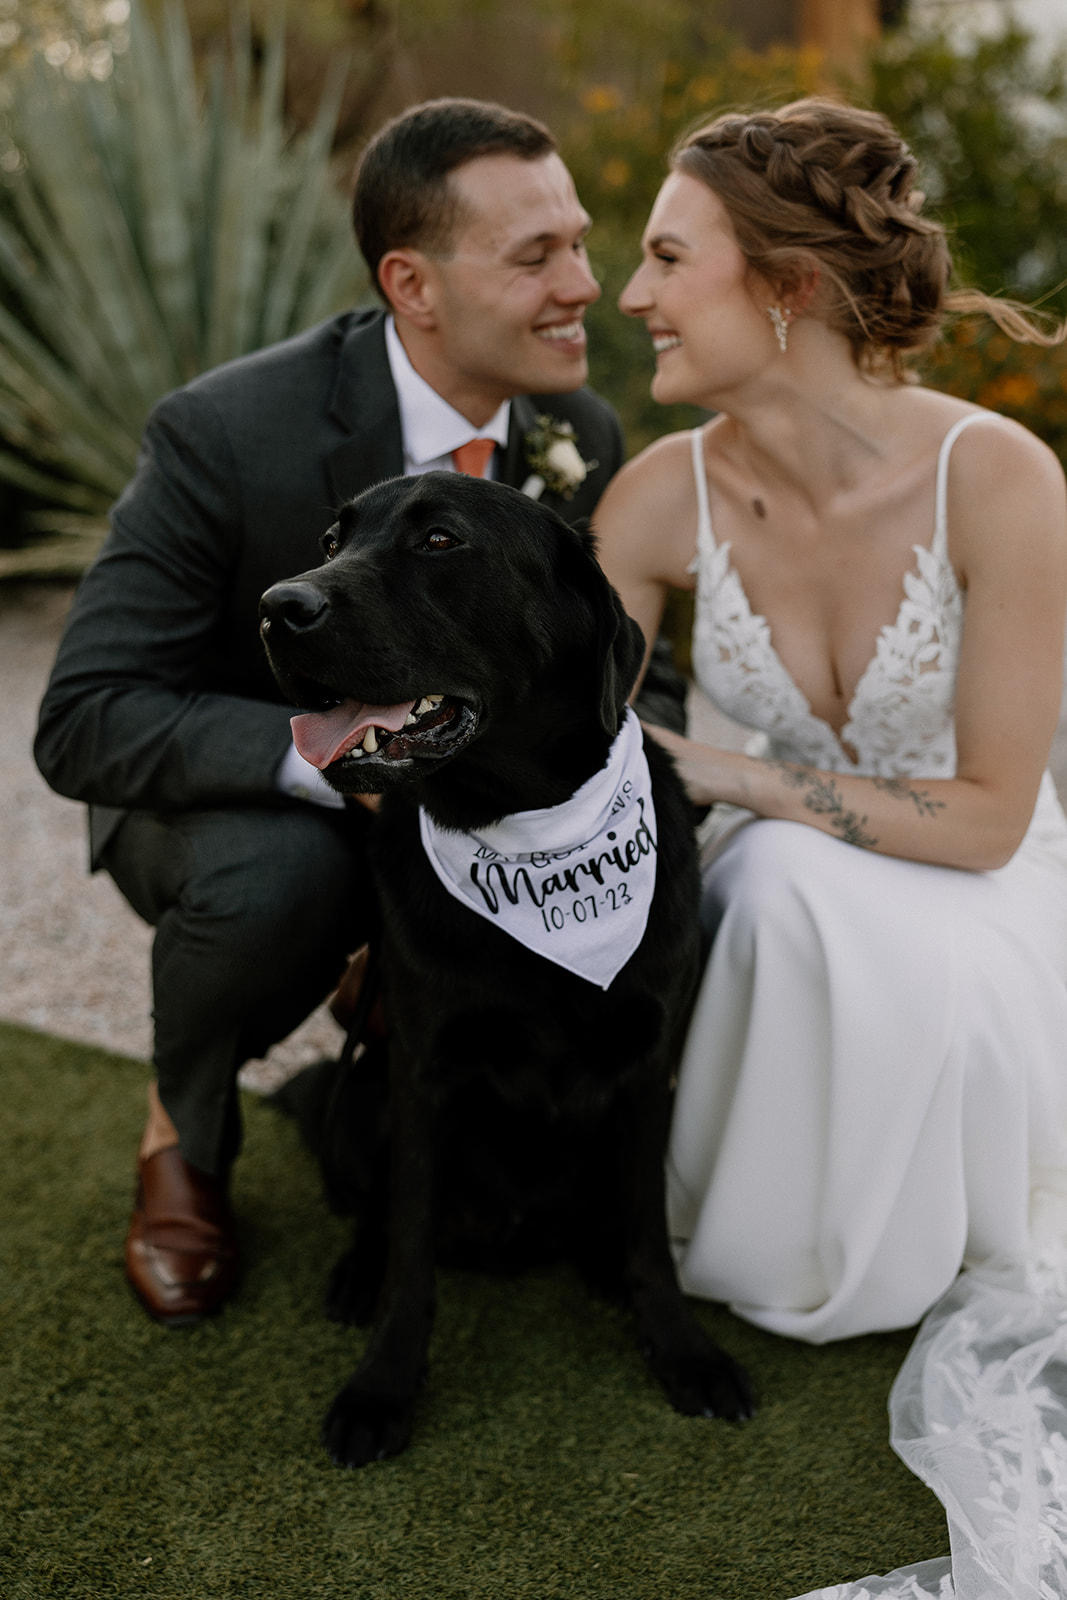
[527, 1108]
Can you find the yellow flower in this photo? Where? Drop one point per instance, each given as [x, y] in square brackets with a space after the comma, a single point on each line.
[601, 97]
[615, 173]
[704, 89]
[1013, 390]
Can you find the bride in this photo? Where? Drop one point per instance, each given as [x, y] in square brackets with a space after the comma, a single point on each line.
[874, 1090]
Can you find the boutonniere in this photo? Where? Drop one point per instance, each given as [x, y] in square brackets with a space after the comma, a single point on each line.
[554, 459]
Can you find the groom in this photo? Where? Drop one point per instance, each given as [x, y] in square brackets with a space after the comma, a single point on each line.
[161, 711]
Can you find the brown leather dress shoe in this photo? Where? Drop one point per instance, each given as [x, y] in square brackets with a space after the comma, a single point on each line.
[181, 1250]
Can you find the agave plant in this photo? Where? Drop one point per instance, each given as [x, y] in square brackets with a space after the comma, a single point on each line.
[156, 225]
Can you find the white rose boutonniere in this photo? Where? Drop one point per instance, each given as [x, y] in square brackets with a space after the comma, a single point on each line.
[554, 458]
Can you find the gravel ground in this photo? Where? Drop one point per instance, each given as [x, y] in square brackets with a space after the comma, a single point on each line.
[73, 956]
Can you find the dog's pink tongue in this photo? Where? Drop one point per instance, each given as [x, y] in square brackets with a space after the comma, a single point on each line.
[325, 736]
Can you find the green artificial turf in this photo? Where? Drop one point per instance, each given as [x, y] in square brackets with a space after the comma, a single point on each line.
[136, 1461]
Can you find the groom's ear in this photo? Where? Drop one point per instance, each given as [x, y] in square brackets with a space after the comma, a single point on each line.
[407, 283]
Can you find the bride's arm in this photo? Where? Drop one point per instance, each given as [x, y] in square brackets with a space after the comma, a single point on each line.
[1008, 536]
[645, 525]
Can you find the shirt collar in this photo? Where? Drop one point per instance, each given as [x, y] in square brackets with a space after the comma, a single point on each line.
[430, 427]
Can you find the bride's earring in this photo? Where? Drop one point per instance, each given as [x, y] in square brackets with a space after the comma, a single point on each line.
[780, 316]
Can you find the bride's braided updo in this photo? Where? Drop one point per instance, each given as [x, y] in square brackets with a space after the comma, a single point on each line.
[816, 184]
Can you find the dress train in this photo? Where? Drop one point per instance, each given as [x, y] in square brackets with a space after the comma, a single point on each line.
[979, 1413]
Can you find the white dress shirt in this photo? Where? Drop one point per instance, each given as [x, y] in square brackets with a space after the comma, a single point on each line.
[430, 428]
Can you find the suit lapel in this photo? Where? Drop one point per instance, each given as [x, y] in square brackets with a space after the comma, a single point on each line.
[364, 404]
[516, 470]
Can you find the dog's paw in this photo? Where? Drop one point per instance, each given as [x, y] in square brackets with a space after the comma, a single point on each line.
[361, 1427]
[352, 1291]
[706, 1384]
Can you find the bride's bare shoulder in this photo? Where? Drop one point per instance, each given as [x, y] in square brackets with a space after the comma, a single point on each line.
[646, 522]
[659, 482]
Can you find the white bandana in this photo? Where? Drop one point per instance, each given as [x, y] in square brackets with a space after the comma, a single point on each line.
[572, 882]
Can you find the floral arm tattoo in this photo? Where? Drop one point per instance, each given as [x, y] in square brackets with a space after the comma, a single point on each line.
[824, 798]
[900, 789]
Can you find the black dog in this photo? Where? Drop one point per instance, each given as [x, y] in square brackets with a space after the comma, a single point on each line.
[467, 655]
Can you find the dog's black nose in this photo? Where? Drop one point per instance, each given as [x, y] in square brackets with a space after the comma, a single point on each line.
[293, 606]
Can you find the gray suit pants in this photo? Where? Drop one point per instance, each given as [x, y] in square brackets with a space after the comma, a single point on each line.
[255, 912]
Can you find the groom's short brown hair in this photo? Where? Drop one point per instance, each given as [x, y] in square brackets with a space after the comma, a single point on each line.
[402, 195]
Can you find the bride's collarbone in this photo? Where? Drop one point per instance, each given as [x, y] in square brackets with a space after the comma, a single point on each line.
[840, 582]
[894, 501]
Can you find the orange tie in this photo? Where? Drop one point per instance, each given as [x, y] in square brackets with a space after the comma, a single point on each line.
[473, 458]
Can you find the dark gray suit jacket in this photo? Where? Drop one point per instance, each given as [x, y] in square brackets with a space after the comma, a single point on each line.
[161, 698]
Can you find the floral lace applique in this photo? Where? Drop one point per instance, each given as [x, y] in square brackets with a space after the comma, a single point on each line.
[738, 668]
[900, 719]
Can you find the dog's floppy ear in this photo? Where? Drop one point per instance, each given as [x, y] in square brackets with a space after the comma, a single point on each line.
[620, 644]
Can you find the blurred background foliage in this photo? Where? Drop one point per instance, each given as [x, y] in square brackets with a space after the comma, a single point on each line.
[987, 119]
[172, 190]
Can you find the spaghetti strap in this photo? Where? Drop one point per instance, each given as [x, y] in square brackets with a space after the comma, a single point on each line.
[939, 547]
[705, 536]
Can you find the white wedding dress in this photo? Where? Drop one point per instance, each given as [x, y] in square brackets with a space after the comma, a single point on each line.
[874, 1089]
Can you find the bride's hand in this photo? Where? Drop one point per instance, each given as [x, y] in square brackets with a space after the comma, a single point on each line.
[699, 766]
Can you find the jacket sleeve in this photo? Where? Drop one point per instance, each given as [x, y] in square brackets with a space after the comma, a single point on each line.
[125, 720]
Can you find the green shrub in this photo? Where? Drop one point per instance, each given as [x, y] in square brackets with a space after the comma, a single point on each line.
[987, 119]
[153, 227]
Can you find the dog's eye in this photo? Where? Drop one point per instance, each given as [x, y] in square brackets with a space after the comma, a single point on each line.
[438, 539]
[329, 544]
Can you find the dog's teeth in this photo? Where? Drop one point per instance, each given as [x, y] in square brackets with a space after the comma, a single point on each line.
[425, 704]
[370, 743]
[409, 719]
[435, 699]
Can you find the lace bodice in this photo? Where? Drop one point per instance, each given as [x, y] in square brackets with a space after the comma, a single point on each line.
[900, 719]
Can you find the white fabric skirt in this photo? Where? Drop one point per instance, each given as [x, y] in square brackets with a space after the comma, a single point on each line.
[875, 1072]
[874, 1095]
